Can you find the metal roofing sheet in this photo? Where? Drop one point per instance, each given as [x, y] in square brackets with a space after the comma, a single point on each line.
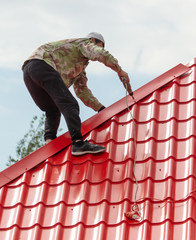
[63, 141]
[66, 197]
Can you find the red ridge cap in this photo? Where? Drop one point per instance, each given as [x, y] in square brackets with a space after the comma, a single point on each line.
[139, 94]
[64, 140]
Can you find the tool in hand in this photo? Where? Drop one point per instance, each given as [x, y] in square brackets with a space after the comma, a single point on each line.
[127, 87]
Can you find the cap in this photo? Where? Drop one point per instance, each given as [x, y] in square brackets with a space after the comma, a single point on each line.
[97, 36]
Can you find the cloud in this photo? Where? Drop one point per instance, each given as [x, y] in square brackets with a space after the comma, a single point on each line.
[163, 31]
[154, 34]
[3, 111]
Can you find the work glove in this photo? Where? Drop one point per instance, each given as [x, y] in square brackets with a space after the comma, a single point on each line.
[101, 109]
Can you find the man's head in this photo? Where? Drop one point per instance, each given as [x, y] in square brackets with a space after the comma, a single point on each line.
[96, 38]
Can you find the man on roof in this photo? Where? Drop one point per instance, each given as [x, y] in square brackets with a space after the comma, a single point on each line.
[52, 69]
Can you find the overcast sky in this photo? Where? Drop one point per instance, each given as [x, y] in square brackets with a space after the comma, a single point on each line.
[148, 37]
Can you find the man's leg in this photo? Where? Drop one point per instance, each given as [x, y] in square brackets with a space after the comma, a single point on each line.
[46, 104]
[49, 81]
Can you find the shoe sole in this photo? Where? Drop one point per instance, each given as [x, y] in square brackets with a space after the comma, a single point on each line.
[86, 152]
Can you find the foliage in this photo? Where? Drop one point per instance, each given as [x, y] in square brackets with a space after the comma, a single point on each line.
[31, 141]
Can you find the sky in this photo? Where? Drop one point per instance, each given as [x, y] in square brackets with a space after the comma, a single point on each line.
[148, 37]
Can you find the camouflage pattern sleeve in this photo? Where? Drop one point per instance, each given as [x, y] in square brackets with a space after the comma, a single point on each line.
[84, 93]
[96, 53]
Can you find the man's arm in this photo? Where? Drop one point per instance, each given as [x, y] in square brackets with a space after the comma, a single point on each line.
[96, 53]
[85, 94]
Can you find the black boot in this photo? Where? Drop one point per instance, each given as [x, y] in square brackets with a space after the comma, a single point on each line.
[81, 148]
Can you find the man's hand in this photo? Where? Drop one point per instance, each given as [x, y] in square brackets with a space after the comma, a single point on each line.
[123, 75]
[125, 80]
[103, 107]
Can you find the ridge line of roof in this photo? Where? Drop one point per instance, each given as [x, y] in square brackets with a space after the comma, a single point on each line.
[64, 140]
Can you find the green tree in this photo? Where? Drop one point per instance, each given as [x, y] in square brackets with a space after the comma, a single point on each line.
[31, 141]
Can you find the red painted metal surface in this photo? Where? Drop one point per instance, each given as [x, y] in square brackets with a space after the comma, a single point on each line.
[63, 141]
[66, 197]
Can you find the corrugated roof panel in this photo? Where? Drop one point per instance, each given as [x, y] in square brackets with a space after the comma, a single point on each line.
[67, 197]
[155, 212]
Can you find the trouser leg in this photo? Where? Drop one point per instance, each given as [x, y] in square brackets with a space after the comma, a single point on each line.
[51, 85]
[51, 124]
[46, 104]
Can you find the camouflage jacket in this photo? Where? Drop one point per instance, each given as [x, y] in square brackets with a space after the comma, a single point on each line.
[70, 58]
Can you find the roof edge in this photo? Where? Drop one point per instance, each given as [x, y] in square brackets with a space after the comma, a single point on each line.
[64, 140]
[139, 94]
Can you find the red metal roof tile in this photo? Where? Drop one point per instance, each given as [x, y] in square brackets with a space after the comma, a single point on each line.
[53, 195]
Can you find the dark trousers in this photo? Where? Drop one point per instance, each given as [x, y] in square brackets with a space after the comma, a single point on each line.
[52, 96]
